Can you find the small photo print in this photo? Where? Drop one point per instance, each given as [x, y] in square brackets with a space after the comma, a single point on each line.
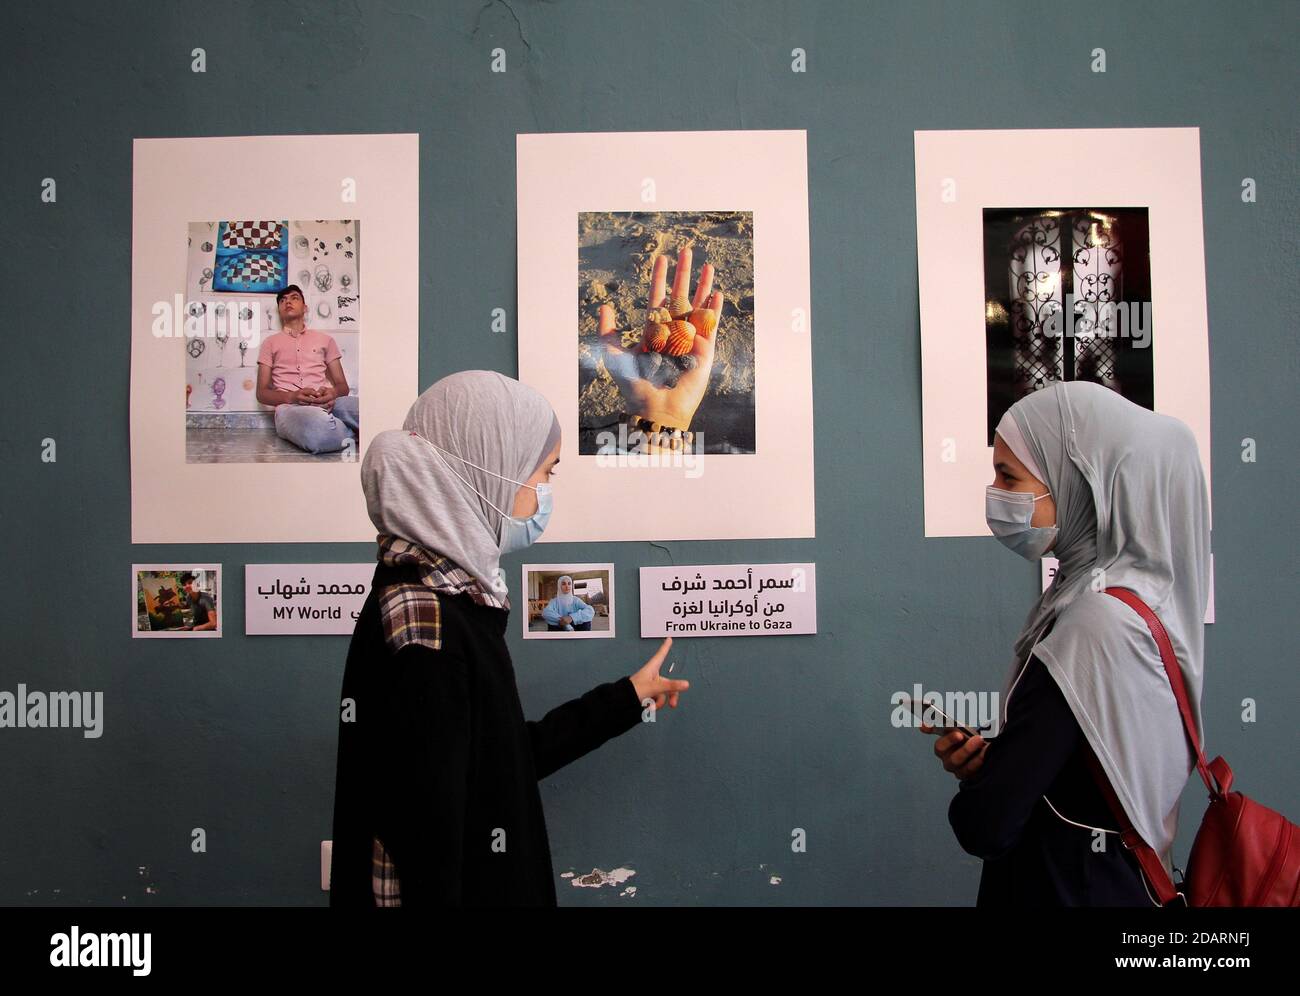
[176, 600]
[272, 340]
[568, 601]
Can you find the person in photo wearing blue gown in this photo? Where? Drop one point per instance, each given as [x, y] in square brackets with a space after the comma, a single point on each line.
[566, 611]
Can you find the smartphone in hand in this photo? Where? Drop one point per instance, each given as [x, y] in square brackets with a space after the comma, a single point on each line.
[927, 712]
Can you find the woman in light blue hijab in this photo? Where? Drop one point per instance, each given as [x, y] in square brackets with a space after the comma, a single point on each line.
[566, 611]
[1118, 494]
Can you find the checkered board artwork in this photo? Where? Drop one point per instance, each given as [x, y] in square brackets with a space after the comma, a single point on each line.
[251, 256]
[268, 235]
[258, 272]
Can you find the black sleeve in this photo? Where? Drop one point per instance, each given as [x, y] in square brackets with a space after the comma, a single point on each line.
[571, 730]
[989, 812]
[428, 756]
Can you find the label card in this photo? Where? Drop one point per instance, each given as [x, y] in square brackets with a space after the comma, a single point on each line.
[297, 599]
[729, 600]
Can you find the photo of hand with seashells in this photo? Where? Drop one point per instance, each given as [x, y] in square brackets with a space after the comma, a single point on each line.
[666, 324]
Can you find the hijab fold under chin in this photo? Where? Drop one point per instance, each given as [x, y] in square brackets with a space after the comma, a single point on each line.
[1132, 512]
[427, 496]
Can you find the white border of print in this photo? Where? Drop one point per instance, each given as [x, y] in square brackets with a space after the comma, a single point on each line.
[765, 172]
[565, 568]
[181, 634]
[179, 180]
[1155, 168]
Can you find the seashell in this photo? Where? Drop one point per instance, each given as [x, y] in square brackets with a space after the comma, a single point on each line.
[681, 337]
[680, 307]
[705, 321]
[658, 315]
[655, 337]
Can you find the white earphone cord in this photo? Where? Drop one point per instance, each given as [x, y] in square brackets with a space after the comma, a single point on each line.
[1006, 709]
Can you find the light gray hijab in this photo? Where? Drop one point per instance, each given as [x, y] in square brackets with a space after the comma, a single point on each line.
[427, 496]
[1132, 511]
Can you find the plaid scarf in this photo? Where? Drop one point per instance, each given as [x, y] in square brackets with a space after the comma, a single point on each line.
[410, 612]
[385, 885]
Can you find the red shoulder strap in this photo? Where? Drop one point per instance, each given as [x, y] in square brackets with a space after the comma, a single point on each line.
[1173, 672]
[1147, 858]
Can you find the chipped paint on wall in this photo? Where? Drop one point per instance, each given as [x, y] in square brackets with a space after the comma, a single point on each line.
[596, 878]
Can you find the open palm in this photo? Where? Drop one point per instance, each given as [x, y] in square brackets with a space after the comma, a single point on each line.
[673, 405]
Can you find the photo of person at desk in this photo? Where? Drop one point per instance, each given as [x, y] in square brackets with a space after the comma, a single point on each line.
[566, 611]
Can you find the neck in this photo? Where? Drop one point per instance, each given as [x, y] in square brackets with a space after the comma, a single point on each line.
[293, 325]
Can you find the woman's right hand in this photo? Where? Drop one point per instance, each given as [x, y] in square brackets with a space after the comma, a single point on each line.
[651, 686]
[960, 754]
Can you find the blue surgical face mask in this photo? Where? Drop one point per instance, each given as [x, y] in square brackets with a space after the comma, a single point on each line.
[525, 532]
[1009, 515]
[518, 533]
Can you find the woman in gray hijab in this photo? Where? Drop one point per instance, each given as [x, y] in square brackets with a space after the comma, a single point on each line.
[1118, 494]
[436, 799]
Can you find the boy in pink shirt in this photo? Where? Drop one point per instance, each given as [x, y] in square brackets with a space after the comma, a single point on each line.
[300, 371]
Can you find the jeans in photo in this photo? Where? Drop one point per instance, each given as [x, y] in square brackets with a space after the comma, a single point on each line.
[315, 430]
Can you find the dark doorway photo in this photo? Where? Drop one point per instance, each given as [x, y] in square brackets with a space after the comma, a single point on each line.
[1067, 297]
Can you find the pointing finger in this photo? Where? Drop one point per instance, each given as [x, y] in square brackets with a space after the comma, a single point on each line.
[660, 654]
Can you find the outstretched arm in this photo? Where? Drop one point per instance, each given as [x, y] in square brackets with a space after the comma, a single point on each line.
[578, 727]
[567, 732]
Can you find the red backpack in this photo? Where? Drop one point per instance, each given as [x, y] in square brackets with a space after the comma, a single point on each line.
[1244, 854]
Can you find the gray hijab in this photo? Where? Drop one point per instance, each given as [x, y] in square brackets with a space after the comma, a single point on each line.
[426, 495]
[1132, 511]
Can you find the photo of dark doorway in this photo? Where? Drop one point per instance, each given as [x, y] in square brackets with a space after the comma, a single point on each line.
[1067, 297]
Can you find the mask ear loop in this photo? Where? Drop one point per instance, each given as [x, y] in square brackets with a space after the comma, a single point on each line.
[476, 466]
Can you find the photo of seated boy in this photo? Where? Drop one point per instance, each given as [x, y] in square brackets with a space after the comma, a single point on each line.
[300, 372]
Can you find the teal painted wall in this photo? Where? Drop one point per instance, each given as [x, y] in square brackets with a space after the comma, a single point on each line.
[237, 735]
